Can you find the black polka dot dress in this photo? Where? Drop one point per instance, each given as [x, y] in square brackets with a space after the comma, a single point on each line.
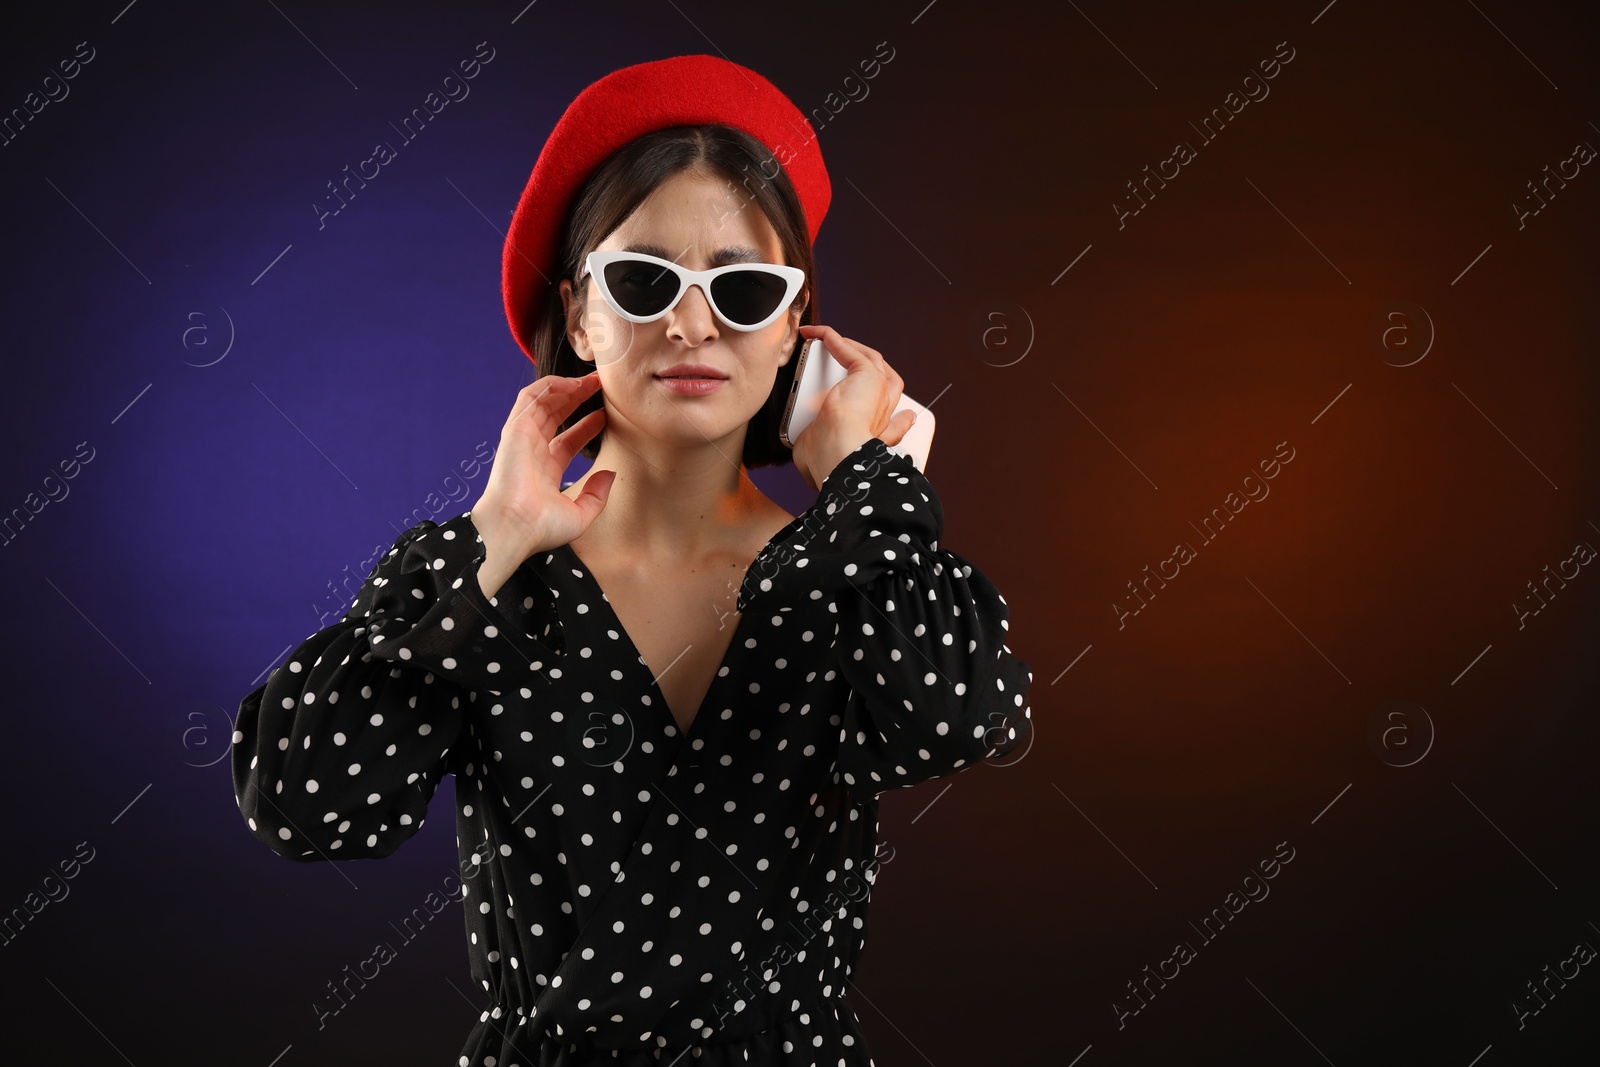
[635, 894]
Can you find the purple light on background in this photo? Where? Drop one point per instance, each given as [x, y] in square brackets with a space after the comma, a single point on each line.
[255, 396]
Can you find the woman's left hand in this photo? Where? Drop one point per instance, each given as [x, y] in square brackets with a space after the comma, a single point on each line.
[858, 407]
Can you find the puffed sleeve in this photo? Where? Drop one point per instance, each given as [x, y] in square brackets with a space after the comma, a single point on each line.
[920, 635]
[337, 754]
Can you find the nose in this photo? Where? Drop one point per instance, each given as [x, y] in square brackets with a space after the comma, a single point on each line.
[692, 320]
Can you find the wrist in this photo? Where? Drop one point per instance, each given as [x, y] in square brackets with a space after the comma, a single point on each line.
[492, 574]
[834, 448]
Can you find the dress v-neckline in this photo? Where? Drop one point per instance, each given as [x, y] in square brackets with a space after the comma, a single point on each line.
[632, 648]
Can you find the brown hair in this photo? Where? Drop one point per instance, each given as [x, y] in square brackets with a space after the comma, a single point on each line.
[620, 185]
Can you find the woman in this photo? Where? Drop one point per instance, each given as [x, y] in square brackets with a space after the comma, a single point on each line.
[669, 705]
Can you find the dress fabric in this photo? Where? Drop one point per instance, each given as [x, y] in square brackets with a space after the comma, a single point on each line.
[635, 894]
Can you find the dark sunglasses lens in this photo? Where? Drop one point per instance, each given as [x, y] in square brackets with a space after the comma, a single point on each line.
[748, 296]
[641, 287]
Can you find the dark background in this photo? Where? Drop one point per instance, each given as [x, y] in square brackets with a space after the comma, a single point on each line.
[1089, 419]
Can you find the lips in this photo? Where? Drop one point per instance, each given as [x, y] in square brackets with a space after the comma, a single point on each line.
[691, 370]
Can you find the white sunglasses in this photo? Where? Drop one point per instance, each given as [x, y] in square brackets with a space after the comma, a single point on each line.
[643, 288]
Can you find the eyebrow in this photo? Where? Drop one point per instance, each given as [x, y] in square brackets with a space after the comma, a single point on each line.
[729, 254]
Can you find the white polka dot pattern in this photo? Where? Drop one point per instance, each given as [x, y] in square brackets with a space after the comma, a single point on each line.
[633, 893]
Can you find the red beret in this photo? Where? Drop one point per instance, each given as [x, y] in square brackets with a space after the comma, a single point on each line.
[680, 91]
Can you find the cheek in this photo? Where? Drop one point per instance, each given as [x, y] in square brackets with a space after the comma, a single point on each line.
[611, 339]
[760, 376]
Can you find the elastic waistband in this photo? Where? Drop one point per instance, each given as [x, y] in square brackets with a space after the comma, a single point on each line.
[739, 1026]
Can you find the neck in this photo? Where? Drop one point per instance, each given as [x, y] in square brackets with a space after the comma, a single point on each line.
[671, 500]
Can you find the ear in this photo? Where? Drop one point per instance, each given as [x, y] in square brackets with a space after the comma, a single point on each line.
[791, 335]
[577, 336]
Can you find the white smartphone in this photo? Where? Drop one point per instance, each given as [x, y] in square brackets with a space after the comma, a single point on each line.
[817, 373]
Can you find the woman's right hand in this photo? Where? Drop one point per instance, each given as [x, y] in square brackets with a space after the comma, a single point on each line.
[522, 509]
